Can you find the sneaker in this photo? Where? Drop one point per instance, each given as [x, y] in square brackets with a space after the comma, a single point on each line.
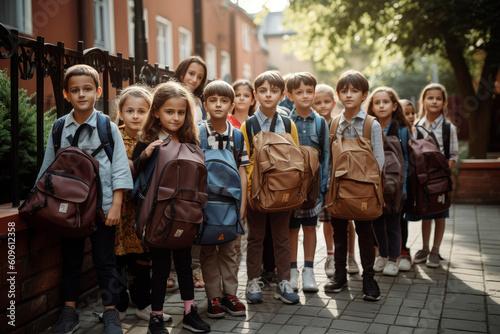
[214, 309]
[199, 285]
[172, 283]
[391, 268]
[254, 292]
[308, 280]
[68, 322]
[420, 257]
[194, 323]
[379, 264]
[405, 262]
[285, 292]
[269, 278]
[145, 314]
[122, 316]
[111, 320]
[352, 266]
[156, 325]
[232, 305]
[370, 289]
[330, 266]
[337, 283]
[294, 279]
[433, 260]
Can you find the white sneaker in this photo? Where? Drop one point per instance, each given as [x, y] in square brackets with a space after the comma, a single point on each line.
[380, 263]
[404, 263]
[294, 279]
[308, 280]
[330, 266]
[352, 266]
[391, 268]
[145, 314]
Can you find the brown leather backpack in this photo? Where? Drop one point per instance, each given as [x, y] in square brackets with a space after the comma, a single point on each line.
[278, 172]
[311, 176]
[394, 171]
[170, 214]
[356, 187]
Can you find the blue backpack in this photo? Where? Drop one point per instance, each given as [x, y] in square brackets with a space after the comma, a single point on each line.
[222, 221]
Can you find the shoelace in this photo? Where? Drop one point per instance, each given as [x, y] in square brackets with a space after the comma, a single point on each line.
[215, 302]
[255, 286]
[285, 287]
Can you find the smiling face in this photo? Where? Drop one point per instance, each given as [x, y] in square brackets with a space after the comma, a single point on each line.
[243, 98]
[172, 114]
[302, 97]
[82, 93]
[324, 104]
[218, 106]
[194, 76]
[133, 114]
[382, 105]
[433, 103]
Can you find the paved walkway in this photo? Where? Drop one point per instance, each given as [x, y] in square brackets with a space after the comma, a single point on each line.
[462, 296]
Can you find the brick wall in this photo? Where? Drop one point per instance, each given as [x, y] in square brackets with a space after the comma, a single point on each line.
[478, 181]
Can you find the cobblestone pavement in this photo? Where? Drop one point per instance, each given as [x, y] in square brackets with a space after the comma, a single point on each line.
[461, 296]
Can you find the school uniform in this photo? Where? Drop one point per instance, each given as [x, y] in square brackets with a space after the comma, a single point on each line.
[115, 175]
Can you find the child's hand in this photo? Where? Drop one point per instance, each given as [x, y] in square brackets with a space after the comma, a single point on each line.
[243, 211]
[151, 147]
[114, 215]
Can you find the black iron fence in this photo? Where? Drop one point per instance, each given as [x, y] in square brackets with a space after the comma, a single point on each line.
[34, 59]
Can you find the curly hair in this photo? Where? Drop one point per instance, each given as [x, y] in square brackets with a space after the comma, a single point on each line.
[188, 133]
[397, 114]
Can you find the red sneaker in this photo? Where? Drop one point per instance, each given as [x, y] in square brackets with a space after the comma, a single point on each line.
[233, 306]
[214, 309]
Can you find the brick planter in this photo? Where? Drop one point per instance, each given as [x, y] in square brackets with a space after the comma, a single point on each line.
[478, 181]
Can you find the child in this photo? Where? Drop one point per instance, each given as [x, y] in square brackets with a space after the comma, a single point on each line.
[352, 90]
[133, 106]
[219, 264]
[192, 73]
[383, 104]
[301, 92]
[244, 105]
[409, 110]
[324, 104]
[285, 104]
[171, 116]
[81, 88]
[432, 112]
[269, 90]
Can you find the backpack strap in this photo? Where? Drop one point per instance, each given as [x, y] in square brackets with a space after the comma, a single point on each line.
[446, 130]
[393, 129]
[144, 176]
[203, 135]
[57, 129]
[367, 127]
[334, 126]
[105, 135]
[320, 131]
[238, 141]
[430, 133]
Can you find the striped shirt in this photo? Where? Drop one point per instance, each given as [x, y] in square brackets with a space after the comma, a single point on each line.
[213, 142]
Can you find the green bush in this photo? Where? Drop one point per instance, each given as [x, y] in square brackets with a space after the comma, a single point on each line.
[27, 139]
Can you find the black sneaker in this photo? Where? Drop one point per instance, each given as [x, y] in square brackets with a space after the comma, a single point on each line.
[269, 278]
[194, 323]
[68, 322]
[156, 325]
[337, 283]
[111, 320]
[370, 289]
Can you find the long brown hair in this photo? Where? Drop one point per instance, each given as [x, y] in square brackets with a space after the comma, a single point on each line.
[182, 68]
[188, 133]
[246, 83]
[433, 86]
[397, 114]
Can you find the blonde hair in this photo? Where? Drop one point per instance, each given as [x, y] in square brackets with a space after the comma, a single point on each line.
[324, 88]
[136, 90]
[433, 86]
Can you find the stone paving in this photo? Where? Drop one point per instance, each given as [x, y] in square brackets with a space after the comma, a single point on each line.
[461, 296]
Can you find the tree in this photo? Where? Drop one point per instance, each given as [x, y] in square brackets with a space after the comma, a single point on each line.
[465, 32]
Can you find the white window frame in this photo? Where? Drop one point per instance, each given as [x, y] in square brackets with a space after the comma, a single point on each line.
[225, 66]
[211, 61]
[245, 38]
[23, 16]
[108, 24]
[164, 41]
[131, 27]
[247, 71]
[185, 43]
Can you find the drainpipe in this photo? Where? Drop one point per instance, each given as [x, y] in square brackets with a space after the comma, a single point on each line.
[198, 28]
[141, 45]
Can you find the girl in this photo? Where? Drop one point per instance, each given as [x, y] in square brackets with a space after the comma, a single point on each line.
[409, 110]
[433, 108]
[244, 103]
[171, 115]
[324, 104]
[383, 104]
[132, 105]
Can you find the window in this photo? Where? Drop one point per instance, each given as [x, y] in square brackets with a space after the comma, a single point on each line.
[164, 41]
[103, 25]
[225, 66]
[247, 72]
[185, 43]
[16, 14]
[131, 27]
[246, 37]
[211, 61]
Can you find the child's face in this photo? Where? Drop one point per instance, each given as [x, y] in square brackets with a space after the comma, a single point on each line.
[324, 104]
[302, 97]
[218, 106]
[268, 96]
[243, 98]
[82, 93]
[351, 97]
[172, 114]
[133, 113]
[194, 76]
[433, 103]
[383, 107]
[410, 113]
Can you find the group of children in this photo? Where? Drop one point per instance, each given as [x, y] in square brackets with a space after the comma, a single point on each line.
[175, 110]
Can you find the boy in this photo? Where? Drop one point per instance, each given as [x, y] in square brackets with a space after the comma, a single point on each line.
[301, 92]
[352, 90]
[269, 90]
[82, 89]
[219, 264]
